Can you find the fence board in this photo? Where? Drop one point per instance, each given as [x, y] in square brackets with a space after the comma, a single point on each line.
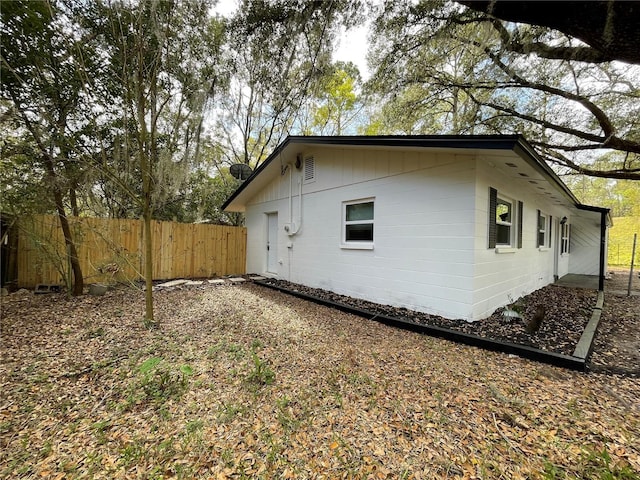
[111, 250]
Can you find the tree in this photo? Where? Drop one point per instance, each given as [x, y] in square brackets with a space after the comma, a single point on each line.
[44, 88]
[572, 102]
[163, 59]
[610, 29]
[279, 50]
[336, 104]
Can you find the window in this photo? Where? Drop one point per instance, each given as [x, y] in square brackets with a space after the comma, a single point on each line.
[504, 215]
[544, 230]
[358, 223]
[565, 233]
[505, 221]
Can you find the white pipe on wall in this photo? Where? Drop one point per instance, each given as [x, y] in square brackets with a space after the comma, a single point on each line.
[294, 228]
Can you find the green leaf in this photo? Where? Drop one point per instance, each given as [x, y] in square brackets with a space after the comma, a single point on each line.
[149, 364]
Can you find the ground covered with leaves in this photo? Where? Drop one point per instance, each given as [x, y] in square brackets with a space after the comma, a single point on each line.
[246, 382]
[616, 348]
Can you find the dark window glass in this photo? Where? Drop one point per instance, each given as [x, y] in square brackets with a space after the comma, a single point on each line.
[503, 236]
[359, 232]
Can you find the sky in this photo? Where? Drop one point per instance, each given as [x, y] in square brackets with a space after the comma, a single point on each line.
[351, 47]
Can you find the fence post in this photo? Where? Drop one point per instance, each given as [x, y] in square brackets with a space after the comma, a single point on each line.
[633, 256]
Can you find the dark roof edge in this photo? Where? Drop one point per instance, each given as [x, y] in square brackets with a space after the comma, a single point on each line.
[591, 208]
[256, 172]
[530, 152]
[524, 148]
[497, 142]
[515, 142]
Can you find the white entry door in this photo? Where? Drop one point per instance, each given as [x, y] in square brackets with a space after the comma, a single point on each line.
[272, 243]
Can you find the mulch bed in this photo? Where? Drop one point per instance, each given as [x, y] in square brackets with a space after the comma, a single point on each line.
[567, 312]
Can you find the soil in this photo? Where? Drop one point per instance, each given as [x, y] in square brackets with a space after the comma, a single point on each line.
[616, 347]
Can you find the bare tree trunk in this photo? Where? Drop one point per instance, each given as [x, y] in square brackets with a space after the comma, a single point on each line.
[148, 265]
[78, 279]
[145, 170]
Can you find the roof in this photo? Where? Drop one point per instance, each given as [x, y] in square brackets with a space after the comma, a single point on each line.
[286, 152]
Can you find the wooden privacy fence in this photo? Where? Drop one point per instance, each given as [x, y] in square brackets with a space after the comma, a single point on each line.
[112, 250]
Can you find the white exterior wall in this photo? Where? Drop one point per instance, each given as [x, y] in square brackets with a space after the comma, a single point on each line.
[584, 257]
[423, 232]
[500, 278]
[430, 233]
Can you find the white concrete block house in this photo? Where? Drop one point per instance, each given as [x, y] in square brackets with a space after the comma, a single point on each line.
[449, 225]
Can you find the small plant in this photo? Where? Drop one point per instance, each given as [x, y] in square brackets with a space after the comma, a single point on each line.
[261, 373]
[100, 430]
[227, 411]
[600, 465]
[149, 324]
[552, 471]
[286, 417]
[514, 309]
[98, 332]
[194, 426]
[132, 453]
[159, 382]
[236, 352]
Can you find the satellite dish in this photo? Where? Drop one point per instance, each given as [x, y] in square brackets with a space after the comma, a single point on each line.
[241, 171]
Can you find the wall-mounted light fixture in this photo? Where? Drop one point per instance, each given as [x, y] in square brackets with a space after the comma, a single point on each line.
[563, 221]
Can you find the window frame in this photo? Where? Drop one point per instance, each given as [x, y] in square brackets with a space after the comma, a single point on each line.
[357, 244]
[565, 238]
[514, 224]
[544, 230]
[502, 199]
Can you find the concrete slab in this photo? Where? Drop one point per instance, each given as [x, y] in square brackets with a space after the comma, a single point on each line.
[172, 283]
[216, 281]
[257, 277]
[579, 281]
[193, 283]
[237, 280]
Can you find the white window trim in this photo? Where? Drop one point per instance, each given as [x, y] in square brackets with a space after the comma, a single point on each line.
[565, 239]
[356, 245]
[544, 245]
[544, 229]
[511, 224]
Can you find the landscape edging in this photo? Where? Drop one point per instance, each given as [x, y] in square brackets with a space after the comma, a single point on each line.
[585, 344]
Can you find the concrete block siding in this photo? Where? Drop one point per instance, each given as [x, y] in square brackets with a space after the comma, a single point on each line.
[431, 214]
[424, 228]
